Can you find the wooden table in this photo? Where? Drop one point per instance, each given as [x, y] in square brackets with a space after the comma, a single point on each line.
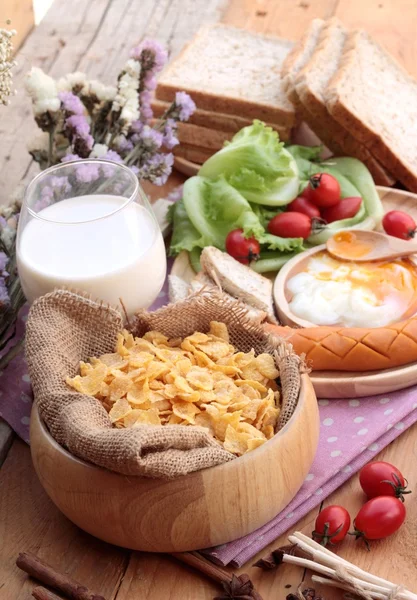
[95, 36]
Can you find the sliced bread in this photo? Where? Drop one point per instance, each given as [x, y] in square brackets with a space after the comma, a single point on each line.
[202, 136]
[311, 85]
[239, 280]
[194, 154]
[376, 99]
[232, 71]
[298, 58]
[178, 288]
[218, 121]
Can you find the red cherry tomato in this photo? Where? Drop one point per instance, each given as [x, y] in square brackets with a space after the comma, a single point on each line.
[345, 209]
[380, 478]
[399, 224]
[379, 518]
[324, 190]
[332, 525]
[290, 224]
[305, 206]
[242, 249]
[306, 192]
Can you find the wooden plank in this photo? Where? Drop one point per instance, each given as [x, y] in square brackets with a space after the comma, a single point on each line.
[286, 18]
[30, 522]
[394, 558]
[20, 13]
[105, 31]
[391, 22]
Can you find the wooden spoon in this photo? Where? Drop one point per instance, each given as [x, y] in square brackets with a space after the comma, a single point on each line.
[361, 246]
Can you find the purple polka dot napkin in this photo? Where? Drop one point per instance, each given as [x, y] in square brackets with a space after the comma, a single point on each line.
[352, 432]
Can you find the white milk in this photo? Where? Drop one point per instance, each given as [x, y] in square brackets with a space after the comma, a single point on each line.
[121, 255]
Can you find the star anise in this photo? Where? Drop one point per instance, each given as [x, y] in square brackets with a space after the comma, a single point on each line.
[239, 588]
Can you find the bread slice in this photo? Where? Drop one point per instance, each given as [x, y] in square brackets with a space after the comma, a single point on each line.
[202, 136]
[239, 280]
[232, 71]
[178, 288]
[219, 121]
[194, 154]
[376, 99]
[298, 58]
[311, 86]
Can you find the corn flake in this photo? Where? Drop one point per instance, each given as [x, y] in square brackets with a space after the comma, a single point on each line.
[196, 381]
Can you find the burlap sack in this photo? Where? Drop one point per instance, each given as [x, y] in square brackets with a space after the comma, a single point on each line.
[64, 328]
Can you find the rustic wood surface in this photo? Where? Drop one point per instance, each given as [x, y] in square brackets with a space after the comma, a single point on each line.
[95, 36]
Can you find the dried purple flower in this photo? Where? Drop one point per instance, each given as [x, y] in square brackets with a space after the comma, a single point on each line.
[71, 103]
[151, 138]
[158, 168]
[170, 139]
[151, 55]
[185, 106]
[79, 133]
[70, 157]
[87, 173]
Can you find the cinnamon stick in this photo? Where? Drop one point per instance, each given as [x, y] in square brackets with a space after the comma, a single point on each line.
[41, 593]
[235, 586]
[46, 574]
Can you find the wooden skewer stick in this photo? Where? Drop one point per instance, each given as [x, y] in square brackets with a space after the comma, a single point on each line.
[46, 574]
[41, 593]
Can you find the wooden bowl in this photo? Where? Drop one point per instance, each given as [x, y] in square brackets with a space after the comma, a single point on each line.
[199, 510]
[282, 296]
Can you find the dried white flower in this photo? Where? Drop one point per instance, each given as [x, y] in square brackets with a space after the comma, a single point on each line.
[104, 93]
[43, 91]
[6, 65]
[99, 150]
[127, 100]
[72, 81]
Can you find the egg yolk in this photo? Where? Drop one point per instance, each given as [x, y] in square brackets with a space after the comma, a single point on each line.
[347, 244]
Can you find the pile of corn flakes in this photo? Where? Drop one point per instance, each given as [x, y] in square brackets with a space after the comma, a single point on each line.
[200, 380]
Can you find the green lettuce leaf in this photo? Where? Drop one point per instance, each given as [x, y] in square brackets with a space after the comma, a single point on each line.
[184, 235]
[273, 242]
[215, 208]
[256, 163]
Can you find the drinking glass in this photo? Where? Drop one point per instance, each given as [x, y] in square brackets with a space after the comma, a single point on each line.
[88, 226]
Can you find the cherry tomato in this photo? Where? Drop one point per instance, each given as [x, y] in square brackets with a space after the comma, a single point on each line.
[345, 209]
[324, 190]
[242, 249]
[378, 518]
[380, 478]
[290, 224]
[332, 525]
[305, 206]
[306, 192]
[399, 224]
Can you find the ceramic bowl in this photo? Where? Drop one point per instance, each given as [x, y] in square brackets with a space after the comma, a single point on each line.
[198, 510]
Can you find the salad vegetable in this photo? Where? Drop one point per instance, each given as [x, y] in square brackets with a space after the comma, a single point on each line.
[256, 163]
[255, 181]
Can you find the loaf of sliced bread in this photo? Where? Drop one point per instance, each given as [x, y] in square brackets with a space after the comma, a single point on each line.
[311, 85]
[298, 58]
[195, 154]
[219, 121]
[232, 71]
[203, 137]
[372, 96]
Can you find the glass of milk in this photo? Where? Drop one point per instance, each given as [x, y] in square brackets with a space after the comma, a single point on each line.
[88, 226]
